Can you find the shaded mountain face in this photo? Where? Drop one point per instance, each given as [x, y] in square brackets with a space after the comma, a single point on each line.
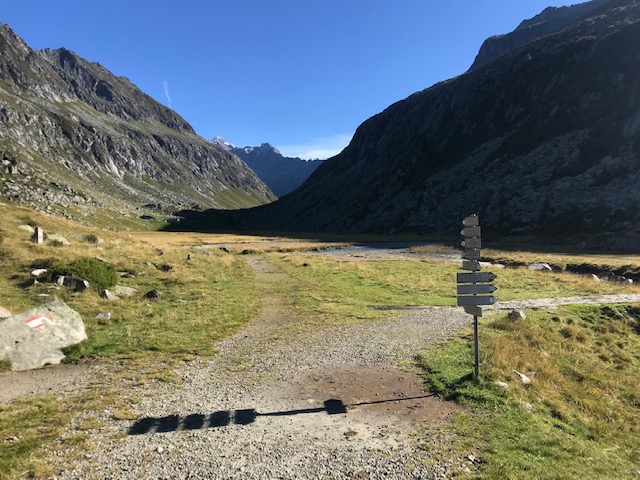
[281, 174]
[74, 136]
[544, 139]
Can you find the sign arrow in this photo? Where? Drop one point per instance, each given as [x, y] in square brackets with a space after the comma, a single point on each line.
[478, 277]
[472, 221]
[471, 243]
[470, 289]
[471, 265]
[470, 232]
[474, 300]
[471, 254]
[473, 310]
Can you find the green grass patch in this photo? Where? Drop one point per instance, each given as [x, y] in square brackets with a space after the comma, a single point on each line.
[580, 418]
[352, 289]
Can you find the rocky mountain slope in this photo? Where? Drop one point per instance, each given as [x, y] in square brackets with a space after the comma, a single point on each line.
[281, 174]
[545, 139]
[75, 139]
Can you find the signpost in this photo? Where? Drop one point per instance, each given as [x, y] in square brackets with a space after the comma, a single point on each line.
[473, 288]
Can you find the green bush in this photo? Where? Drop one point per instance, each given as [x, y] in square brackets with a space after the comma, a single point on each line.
[99, 274]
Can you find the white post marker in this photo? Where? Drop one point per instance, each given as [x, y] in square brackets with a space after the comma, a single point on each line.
[473, 288]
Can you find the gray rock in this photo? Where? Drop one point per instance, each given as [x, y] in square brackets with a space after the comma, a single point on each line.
[59, 280]
[153, 295]
[35, 338]
[517, 314]
[596, 278]
[38, 272]
[526, 381]
[540, 267]
[26, 228]
[108, 295]
[123, 291]
[502, 384]
[56, 237]
[77, 284]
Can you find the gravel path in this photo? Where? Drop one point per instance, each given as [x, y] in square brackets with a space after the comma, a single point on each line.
[287, 398]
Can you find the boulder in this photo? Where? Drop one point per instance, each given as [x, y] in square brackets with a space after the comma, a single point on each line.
[38, 272]
[153, 295]
[122, 291]
[108, 295]
[540, 267]
[26, 228]
[35, 338]
[38, 235]
[517, 314]
[77, 284]
[56, 237]
[4, 313]
[526, 381]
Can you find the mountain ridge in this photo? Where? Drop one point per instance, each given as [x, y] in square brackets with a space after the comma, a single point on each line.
[75, 135]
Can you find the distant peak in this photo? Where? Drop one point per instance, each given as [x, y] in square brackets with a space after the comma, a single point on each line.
[218, 140]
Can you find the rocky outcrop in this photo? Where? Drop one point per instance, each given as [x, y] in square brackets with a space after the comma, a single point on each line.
[545, 139]
[281, 174]
[73, 134]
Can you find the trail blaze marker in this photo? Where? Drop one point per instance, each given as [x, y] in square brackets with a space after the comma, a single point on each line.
[473, 287]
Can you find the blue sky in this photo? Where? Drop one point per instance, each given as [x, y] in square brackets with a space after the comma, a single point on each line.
[299, 74]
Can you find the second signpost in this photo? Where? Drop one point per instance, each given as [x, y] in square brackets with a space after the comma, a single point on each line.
[474, 288]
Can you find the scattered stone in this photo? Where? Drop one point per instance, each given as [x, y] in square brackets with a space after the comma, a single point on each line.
[59, 280]
[56, 237]
[108, 295]
[123, 291]
[540, 267]
[103, 318]
[527, 406]
[147, 217]
[472, 458]
[160, 449]
[149, 264]
[159, 251]
[517, 314]
[225, 249]
[38, 235]
[596, 278]
[502, 384]
[526, 381]
[4, 313]
[153, 295]
[126, 275]
[38, 272]
[77, 284]
[35, 338]
[27, 228]
[30, 283]
[164, 267]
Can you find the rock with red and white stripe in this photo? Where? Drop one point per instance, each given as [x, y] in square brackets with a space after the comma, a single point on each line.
[36, 337]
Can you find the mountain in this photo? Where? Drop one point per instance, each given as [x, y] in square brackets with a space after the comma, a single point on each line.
[545, 139]
[281, 174]
[75, 139]
[550, 20]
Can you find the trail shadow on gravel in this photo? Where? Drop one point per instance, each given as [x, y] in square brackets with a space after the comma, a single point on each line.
[247, 416]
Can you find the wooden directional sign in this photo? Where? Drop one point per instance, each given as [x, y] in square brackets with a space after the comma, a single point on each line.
[473, 310]
[472, 300]
[471, 254]
[478, 277]
[471, 243]
[471, 265]
[470, 232]
[472, 221]
[471, 289]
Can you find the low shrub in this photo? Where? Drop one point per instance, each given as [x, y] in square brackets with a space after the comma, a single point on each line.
[99, 274]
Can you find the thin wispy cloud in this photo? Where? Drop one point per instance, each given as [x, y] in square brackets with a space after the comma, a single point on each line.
[321, 148]
[165, 86]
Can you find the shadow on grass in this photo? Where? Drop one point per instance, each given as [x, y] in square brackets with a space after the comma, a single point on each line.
[247, 416]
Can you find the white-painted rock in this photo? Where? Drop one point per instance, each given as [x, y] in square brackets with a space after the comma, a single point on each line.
[36, 337]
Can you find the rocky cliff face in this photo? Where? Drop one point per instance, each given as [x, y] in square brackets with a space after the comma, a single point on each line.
[75, 136]
[544, 139]
[281, 174]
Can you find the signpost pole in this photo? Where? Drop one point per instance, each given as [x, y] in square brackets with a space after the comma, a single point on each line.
[476, 369]
[473, 287]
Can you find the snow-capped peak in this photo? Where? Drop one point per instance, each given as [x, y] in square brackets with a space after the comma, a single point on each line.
[218, 140]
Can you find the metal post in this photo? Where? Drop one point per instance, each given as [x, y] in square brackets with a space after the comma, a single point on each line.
[476, 370]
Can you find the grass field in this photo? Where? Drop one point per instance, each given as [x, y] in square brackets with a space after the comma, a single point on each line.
[584, 400]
